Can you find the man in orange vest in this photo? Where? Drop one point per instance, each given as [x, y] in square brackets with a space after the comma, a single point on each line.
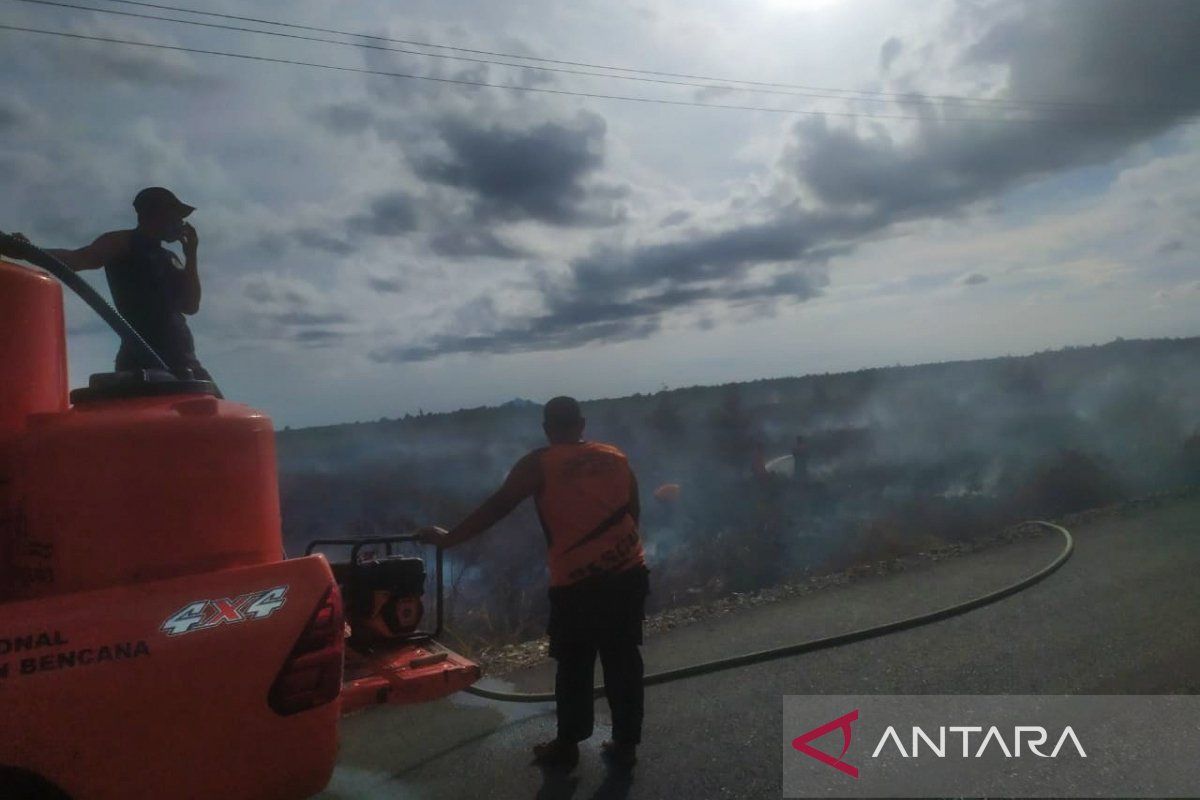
[587, 500]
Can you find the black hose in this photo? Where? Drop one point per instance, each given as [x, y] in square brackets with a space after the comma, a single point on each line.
[746, 659]
[23, 249]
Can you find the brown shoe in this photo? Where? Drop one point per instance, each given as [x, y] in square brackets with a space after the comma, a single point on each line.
[619, 755]
[556, 754]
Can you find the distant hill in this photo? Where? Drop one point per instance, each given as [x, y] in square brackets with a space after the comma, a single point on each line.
[1080, 362]
[520, 402]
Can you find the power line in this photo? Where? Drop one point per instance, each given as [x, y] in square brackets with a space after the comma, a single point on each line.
[513, 87]
[663, 81]
[985, 102]
[853, 93]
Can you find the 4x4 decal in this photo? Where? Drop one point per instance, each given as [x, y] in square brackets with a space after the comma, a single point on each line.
[201, 614]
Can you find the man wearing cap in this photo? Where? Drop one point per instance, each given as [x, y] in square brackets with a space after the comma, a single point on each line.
[587, 500]
[149, 286]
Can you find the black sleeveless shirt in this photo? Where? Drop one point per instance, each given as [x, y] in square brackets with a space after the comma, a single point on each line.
[146, 282]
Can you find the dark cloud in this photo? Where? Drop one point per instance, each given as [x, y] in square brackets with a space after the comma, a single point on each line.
[499, 173]
[392, 214]
[318, 239]
[675, 218]
[536, 173]
[136, 66]
[1131, 52]
[616, 295]
[471, 241]
[344, 118]
[547, 336]
[974, 279]
[577, 320]
[1110, 51]
[293, 311]
[9, 118]
[318, 337]
[864, 179]
[301, 318]
[395, 214]
[889, 52]
[385, 284]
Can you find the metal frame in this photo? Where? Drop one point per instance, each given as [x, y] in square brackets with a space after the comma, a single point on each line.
[356, 545]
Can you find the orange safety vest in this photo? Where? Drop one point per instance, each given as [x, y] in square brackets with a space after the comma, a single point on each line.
[584, 505]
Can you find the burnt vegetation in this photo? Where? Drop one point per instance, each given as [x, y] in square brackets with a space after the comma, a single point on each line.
[898, 460]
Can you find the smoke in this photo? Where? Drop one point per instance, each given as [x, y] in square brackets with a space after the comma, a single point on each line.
[898, 460]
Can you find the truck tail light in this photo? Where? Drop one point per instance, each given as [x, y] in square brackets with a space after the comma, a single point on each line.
[312, 674]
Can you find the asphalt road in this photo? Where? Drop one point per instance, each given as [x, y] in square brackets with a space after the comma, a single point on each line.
[1120, 617]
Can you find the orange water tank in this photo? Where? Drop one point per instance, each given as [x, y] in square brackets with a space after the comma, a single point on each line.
[143, 477]
[33, 379]
[119, 491]
[33, 350]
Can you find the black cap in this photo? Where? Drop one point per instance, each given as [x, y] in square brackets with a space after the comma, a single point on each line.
[156, 198]
[562, 411]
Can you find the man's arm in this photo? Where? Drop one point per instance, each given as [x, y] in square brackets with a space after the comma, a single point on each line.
[95, 255]
[523, 481]
[189, 298]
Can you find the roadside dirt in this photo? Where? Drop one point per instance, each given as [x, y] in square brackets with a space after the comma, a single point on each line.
[501, 660]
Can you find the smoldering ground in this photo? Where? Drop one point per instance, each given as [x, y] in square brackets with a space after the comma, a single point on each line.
[898, 460]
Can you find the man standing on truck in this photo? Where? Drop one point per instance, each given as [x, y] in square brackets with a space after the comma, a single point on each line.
[149, 286]
[587, 500]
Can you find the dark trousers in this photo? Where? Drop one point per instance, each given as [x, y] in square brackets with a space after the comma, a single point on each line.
[622, 665]
[599, 616]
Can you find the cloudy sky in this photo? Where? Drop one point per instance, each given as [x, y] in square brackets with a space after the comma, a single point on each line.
[373, 244]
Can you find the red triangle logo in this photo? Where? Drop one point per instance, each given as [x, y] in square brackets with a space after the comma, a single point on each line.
[843, 722]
